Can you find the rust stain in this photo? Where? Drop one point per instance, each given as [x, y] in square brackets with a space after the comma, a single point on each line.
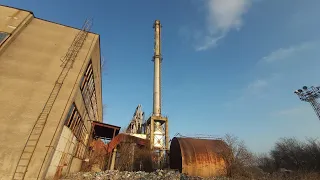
[198, 157]
[125, 137]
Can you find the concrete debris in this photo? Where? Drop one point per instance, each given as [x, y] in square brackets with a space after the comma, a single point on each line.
[125, 175]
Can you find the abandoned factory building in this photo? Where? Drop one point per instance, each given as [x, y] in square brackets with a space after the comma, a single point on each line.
[50, 95]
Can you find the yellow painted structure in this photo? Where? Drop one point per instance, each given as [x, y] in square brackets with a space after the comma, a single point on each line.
[30, 62]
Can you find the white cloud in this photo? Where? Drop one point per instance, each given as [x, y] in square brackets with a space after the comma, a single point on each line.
[258, 85]
[208, 41]
[256, 88]
[296, 111]
[253, 90]
[226, 14]
[223, 15]
[292, 111]
[284, 53]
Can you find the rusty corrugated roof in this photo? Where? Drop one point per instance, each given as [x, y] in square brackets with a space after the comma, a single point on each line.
[198, 157]
[123, 138]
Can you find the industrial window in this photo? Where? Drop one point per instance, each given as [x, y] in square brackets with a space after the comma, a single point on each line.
[87, 87]
[75, 123]
[3, 37]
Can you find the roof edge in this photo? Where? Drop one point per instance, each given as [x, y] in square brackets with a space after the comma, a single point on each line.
[65, 25]
[17, 8]
[46, 19]
[101, 123]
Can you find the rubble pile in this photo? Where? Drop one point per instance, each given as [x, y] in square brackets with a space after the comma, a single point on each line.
[125, 175]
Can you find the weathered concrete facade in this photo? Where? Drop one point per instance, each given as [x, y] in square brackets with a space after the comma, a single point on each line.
[30, 59]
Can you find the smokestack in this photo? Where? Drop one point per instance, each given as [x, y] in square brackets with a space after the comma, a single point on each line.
[157, 70]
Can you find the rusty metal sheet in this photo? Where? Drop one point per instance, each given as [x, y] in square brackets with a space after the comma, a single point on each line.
[198, 157]
[125, 137]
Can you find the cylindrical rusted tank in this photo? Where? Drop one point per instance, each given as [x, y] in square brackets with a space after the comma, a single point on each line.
[198, 157]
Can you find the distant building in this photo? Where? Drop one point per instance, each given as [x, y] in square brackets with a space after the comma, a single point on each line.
[31, 53]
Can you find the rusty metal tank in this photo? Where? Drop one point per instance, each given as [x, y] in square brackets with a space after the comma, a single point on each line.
[198, 157]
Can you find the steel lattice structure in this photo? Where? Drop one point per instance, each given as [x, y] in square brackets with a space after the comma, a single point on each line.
[310, 94]
[135, 126]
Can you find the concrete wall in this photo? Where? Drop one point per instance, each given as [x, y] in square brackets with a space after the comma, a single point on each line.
[11, 18]
[12, 21]
[63, 153]
[75, 165]
[29, 66]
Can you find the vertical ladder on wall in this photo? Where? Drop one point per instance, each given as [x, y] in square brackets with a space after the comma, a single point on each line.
[34, 136]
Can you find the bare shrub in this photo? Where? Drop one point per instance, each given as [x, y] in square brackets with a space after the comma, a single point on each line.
[292, 176]
[266, 163]
[97, 156]
[125, 159]
[288, 153]
[290, 159]
[143, 160]
[133, 157]
[301, 159]
[237, 157]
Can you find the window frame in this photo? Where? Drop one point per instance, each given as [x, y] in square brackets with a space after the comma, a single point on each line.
[6, 36]
[87, 88]
[76, 124]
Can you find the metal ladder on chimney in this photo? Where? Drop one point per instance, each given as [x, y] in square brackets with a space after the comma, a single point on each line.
[34, 136]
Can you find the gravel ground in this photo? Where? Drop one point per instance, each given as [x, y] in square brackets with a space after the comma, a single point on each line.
[125, 175]
[172, 175]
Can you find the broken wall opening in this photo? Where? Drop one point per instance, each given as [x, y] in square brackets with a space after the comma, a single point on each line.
[97, 156]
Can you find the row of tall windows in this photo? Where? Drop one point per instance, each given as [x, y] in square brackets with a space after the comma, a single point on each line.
[74, 120]
[88, 91]
[76, 124]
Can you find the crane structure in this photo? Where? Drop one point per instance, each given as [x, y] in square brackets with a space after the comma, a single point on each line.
[310, 94]
[135, 126]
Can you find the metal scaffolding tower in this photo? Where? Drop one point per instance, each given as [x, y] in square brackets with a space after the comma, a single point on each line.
[310, 94]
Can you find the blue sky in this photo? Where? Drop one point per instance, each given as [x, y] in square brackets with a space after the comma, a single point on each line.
[230, 66]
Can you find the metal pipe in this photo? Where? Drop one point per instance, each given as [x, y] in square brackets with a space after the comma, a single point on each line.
[113, 160]
[157, 76]
[151, 134]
